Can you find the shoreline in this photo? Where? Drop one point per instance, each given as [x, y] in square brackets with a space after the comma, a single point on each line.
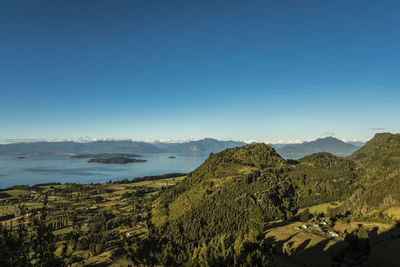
[121, 181]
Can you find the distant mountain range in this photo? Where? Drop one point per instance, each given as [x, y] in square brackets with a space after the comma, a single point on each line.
[204, 146]
[328, 144]
[43, 148]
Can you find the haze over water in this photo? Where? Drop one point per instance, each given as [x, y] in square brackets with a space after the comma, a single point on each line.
[47, 169]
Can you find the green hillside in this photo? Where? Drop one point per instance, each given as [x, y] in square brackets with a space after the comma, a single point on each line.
[244, 206]
[323, 177]
[238, 191]
[378, 164]
[379, 157]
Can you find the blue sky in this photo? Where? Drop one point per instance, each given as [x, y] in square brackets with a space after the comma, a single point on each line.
[260, 70]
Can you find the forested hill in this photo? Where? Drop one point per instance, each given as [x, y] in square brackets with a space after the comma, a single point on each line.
[244, 206]
[229, 197]
[234, 193]
[378, 165]
[379, 154]
[256, 178]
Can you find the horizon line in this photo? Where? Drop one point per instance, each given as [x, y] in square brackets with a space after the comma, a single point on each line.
[186, 140]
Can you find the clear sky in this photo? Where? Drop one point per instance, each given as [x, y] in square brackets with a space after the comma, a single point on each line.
[261, 70]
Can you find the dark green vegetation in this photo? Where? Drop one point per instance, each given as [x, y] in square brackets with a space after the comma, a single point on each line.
[245, 206]
[111, 158]
[323, 177]
[115, 160]
[235, 193]
[379, 167]
[32, 242]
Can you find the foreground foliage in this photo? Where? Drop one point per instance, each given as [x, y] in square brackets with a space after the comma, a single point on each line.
[245, 206]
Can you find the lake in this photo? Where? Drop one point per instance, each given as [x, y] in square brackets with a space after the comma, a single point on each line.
[46, 169]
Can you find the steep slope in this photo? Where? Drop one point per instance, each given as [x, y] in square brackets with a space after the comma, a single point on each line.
[225, 205]
[378, 163]
[234, 190]
[257, 177]
[380, 156]
[328, 144]
[323, 177]
[235, 193]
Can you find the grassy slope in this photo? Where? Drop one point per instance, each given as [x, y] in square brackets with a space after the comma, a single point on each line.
[309, 248]
[230, 171]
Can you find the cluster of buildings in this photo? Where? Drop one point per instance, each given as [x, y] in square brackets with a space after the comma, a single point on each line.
[320, 226]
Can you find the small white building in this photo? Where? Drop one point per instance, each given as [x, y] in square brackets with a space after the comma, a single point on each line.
[333, 234]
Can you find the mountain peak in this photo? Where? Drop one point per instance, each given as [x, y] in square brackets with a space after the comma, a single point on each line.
[234, 161]
[329, 139]
[246, 174]
[328, 144]
[258, 154]
[382, 143]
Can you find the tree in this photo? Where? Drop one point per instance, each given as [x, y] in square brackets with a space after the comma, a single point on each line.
[13, 248]
[42, 241]
[305, 215]
[31, 244]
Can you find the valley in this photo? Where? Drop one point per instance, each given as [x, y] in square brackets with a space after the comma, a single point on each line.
[242, 206]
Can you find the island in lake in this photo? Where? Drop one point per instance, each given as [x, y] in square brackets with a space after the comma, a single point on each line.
[115, 160]
[106, 155]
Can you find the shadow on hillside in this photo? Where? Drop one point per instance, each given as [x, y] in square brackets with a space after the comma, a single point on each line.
[374, 249]
[4, 195]
[276, 224]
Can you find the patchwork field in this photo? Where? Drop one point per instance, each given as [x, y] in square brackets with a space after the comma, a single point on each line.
[122, 209]
[75, 207]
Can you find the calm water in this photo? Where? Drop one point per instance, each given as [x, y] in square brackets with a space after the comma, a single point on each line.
[44, 169]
